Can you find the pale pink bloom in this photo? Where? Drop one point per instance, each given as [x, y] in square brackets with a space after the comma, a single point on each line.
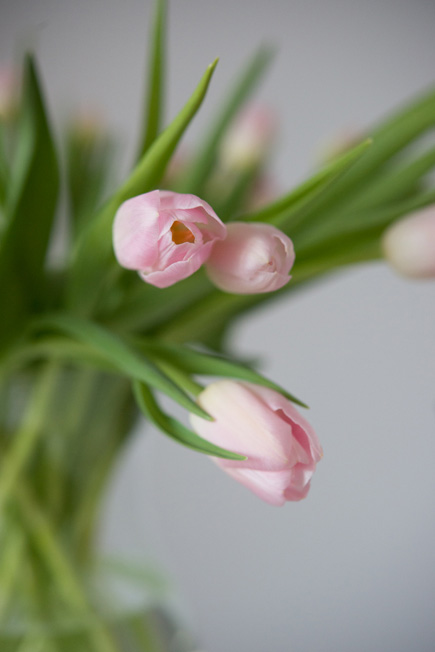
[281, 447]
[253, 258]
[337, 146]
[249, 139]
[88, 125]
[9, 91]
[263, 192]
[176, 166]
[409, 244]
[165, 236]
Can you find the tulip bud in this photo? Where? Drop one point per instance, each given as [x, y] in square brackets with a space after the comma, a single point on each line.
[177, 165]
[8, 92]
[263, 192]
[165, 236]
[88, 126]
[341, 143]
[282, 449]
[248, 140]
[253, 258]
[409, 244]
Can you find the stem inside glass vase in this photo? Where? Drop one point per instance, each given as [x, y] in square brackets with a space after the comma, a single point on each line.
[61, 430]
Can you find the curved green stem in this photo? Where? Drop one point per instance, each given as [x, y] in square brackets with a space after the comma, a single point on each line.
[10, 565]
[61, 569]
[26, 438]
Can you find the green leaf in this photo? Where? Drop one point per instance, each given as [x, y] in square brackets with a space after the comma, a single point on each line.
[151, 167]
[89, 158]
[282, 211]
[52, 348]
[340, 254]
[118, 353]
[150, 408]
[154, 106]
[207, 364]
[215, 311]
[350, 227]
[230, 202]
[94, 254]
[4, 176]
[218, 309]
[357, 242]
[201, 167]
[32, 200]
[146, 307]
[390, 186]
[391, 137]
[306, 211]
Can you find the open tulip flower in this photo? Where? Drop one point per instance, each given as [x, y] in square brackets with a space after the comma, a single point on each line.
[165, 236]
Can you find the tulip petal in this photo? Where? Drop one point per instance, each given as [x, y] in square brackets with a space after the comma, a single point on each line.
[409, 244]
[245, 424]
[135, 229]
[165, 236]
[252, 259]
[258, 422]
[286, 410]
[274, 487]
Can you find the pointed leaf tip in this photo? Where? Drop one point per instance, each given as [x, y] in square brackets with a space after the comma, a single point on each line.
[213, 64]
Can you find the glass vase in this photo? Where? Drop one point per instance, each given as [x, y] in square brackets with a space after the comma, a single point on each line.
[62, 429]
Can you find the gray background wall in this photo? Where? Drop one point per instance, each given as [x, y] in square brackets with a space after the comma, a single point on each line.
[353, 566]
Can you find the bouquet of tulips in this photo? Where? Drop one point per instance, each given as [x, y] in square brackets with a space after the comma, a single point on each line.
[128, 292]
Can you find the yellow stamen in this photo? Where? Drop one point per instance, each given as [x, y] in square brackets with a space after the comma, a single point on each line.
[181, 234]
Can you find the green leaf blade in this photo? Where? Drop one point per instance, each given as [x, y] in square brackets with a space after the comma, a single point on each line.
[153, 111]
[396, 183]
[390, 137]
[280, 212]
[197, 173]
[61, 349]
[208, 364]
[174, 429]
[120, 354]
[31, 206]
[35, 184]
[94, 253]
[350, 227]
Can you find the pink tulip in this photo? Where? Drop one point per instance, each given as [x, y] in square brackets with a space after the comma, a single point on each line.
[165, 236]
[177, 165]
[88, 125]
[409, 244]
[263, 192]
[253, 258]
[342, 142]
[282, 449]
[9, 92]
[249, 138]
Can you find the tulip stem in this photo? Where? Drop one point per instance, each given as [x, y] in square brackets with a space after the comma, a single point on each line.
[4, 172]
[26, 438]
[10, 565]
[216, 310]
[62, 571]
